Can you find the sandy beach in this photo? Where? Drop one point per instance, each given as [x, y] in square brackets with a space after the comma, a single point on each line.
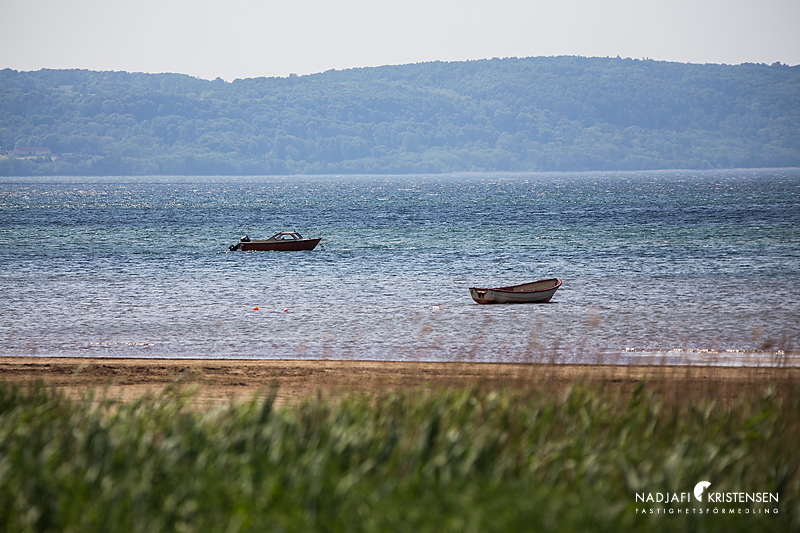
[219, 381]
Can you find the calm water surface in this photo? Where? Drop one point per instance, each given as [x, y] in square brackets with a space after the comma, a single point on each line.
[660, 266]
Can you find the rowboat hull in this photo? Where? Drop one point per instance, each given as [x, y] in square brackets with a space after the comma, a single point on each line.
[536, 292]
[288, 246]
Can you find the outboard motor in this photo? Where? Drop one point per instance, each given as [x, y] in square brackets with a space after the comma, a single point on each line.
[234, 247]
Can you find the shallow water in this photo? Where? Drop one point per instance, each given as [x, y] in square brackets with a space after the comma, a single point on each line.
[658, 266]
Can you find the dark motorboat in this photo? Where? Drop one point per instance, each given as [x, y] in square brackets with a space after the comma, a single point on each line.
[535, 292]
[285, 240]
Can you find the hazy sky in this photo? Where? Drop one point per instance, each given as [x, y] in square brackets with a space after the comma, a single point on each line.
[249, 38]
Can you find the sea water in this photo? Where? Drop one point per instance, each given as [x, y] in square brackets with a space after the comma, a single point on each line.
[678, 266]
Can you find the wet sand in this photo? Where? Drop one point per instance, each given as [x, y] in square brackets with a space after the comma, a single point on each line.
[221, 381]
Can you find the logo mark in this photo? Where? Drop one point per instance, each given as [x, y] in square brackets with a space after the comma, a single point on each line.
[699, 488]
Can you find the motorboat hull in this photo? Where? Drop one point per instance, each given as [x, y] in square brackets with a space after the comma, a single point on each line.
[287, 241]
[289, 246]
[536, 292]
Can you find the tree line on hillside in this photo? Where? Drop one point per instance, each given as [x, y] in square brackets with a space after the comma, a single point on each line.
[530, 114]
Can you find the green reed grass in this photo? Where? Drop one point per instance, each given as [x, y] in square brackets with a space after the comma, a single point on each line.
[450, 459]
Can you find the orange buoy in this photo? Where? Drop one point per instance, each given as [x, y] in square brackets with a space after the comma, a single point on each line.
[255, 308]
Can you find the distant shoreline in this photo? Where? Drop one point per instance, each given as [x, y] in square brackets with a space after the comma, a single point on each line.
[222, 380]
[587, 113]
[167, 178]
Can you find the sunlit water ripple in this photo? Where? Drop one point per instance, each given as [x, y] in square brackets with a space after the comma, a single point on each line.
[658, 266]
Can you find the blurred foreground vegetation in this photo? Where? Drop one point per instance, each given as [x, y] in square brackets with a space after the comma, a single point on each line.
[449, 459]
[526, 114]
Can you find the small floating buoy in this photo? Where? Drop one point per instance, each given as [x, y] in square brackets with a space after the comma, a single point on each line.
[285, 310]
[255, 308]
[435, 307]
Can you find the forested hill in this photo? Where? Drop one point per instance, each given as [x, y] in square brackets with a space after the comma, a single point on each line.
[557, 113]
